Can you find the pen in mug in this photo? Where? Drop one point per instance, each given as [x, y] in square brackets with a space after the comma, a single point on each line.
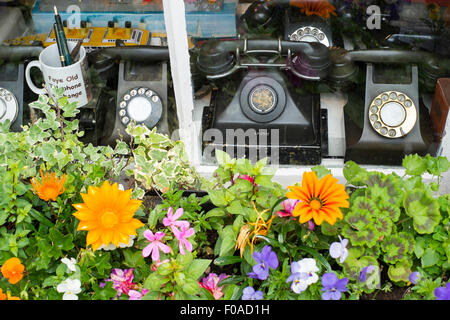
[58, 42]
[62, 37]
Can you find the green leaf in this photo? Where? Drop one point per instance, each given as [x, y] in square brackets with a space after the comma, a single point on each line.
[133, 259]
[400, 271]
[216, 212]
[191, 286]
[424, 209]
[217, 197]
[438, 165]
[429, 258]
[154, 282]
[415, 165]
[227, 260]
[321, 171]
[228, 240]
[105, 293]
[354, 174]
[222, 157]
[198, 267]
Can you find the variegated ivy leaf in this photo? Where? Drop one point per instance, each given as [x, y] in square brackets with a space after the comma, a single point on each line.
[397, 247]
[424, 209]
[400, 271]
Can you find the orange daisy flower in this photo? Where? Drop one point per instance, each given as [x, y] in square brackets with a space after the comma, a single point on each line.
[107, 213]
[50, 187]
[319, 199]
[12, 270]
[321, 8]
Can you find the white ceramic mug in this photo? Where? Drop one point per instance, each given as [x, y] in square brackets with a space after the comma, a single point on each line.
[73, 78]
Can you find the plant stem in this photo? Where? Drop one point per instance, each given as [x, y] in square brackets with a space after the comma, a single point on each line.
[404, 220]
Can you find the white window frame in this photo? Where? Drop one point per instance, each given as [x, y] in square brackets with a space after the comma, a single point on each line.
[190, 130]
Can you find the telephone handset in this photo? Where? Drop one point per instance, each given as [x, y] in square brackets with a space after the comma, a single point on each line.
[394, 122]
[218, 59]
[256, 94]
[141, 89]
[12, 90]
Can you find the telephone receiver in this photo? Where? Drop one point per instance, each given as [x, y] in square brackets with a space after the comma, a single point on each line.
[344, 63]
[12, 89]
[307, 60]
[141, 89]
[261, 13]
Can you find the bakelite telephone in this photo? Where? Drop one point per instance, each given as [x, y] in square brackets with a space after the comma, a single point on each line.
[141, 96]
[385, 119]
[254, 92]
[12, 91]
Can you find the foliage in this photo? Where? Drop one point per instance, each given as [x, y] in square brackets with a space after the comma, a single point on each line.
[398, 220]
[160, 161]
[395, 227]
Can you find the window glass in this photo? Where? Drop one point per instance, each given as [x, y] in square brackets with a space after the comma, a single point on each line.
[121, 74]
[304, 81]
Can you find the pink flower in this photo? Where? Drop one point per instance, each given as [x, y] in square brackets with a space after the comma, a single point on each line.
[122, 280]
[155, 245]
[182, 236]
[247, 177]
[136, 295]
[288, 206]
[210, 283]
[171, 219]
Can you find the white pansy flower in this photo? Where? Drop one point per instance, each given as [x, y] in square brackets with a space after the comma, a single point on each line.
[339, 250]
[70, 288]
[70, 263]
[303, 273]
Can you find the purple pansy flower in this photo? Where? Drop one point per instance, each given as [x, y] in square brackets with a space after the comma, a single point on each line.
[266, 259]
[364, 272]
[250, 294]
[414, 277]
[333, 286]
[442, 293]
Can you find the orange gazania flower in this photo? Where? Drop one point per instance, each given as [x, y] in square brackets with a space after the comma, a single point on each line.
[321, 8]
[107, 213]
[319, 199]
[50, 187]
[260, 227]
[12, 270]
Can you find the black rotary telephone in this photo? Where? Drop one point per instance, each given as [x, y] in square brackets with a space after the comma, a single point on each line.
[386, 119]
[255, 95]
[286, 21]
[12, 91]
[141, 96]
